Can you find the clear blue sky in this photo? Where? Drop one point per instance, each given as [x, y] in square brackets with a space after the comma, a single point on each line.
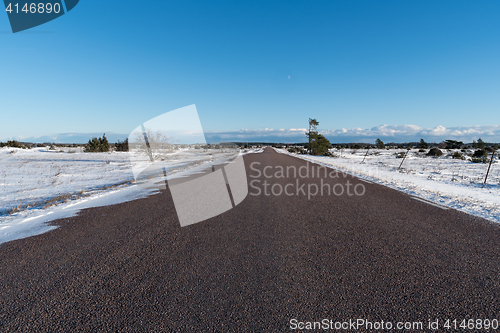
[108, 66]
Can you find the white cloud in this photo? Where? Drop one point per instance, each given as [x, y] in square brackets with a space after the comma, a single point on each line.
[396, 133]
[387, 133]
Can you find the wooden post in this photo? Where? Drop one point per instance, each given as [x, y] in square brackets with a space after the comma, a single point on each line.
[165, 175]
[367, 150]
[148, 147]
[404, 157]
[489, 166]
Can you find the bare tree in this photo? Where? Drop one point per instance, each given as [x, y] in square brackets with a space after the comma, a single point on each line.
[152, 143]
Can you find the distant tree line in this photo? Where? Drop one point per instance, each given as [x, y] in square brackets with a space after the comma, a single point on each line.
[15, 144]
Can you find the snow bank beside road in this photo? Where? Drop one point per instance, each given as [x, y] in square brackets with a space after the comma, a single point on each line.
[34, 222]
[450, 182]
[40, 185]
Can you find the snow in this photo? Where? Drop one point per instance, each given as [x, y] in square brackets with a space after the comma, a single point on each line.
[34, 222]
[40, 185]
[35, 178]
[445, 181]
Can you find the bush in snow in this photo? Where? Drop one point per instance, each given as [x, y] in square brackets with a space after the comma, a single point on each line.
[123, 146]
[14, 144]
[401, 154]
[483, 159]
[435, 152]
[480, 153]
[298, 150]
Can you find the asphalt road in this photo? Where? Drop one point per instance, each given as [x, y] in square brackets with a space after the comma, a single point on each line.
[131, 268]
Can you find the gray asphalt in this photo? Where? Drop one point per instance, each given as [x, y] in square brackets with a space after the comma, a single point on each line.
[131, 268]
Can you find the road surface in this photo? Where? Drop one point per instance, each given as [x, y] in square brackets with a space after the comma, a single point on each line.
[380, 256]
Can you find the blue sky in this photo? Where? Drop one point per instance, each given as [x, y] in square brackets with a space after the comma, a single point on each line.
[354, 65]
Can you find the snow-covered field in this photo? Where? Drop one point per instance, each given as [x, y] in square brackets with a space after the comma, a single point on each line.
[39, 177]
[40, 185]
[446, 181]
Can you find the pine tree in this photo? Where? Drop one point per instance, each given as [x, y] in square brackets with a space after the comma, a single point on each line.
[313, 124]
[104, 144]
[319, 145]
[97, 145]
[380, 144]
[481, 144]
[423, 144]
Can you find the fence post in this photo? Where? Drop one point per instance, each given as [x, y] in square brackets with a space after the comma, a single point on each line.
[404, 157]
[148, 147]
[489, 166]
[367, 150]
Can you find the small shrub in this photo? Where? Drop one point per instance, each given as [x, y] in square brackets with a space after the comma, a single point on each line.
[483, 159]
[421, 150]
[457, 155]
[401, 154]
[15, 144]
[435, 152]
[297, 150]
[329, 154]
[123, 146]
[480, 153]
